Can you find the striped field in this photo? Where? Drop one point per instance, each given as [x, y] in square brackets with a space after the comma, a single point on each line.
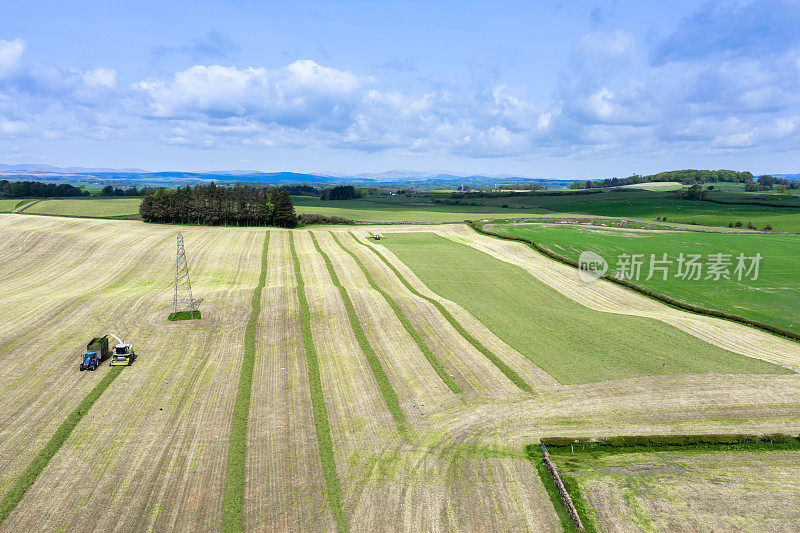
[334, 382]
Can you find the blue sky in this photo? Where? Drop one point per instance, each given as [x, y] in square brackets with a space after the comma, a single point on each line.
[539, 89]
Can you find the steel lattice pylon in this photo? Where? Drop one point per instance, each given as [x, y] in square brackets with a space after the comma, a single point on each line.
[182, 284]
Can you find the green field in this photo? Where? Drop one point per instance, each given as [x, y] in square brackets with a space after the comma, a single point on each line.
[384, 209]
[530, 316]
[9, 204]
[773, 298]
[96, 207]
[688, 211]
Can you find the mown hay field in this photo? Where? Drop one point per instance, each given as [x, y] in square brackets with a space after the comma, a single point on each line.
[771, 298]
[687, 490]
[376, 402]
[88, 207]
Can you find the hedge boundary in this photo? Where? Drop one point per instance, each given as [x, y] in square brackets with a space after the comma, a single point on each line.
[628, 441]
[641, 290]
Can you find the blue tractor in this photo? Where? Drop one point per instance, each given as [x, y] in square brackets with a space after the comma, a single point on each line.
[90, 361]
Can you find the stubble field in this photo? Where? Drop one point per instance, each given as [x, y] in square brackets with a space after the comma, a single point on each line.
[382, 398]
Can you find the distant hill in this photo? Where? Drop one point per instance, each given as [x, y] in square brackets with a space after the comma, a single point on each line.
[138, 177]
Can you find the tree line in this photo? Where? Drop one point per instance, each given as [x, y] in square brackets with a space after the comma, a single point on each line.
[109, 190]
[340, 192]
[241, 205]
[36, 189]
[686, 177]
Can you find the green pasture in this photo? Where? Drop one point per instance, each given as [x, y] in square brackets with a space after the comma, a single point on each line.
[385, 209]
[9, 204]
[90, 207]
[530, 316]
[688, 211]
[774, 298]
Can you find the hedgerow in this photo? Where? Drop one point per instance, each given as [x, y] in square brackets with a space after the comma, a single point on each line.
[647, 292]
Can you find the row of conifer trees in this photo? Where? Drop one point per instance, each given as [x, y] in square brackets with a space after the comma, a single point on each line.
[241, 205]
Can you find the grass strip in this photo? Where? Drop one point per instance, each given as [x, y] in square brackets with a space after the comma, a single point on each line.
[515, 378]
[184, 315]
[388, 393]
[437, 366]
[21, 486]
[321, 422]
[233, 500]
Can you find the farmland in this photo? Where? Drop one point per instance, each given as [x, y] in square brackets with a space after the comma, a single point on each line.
[417, 208]
[745, 490]
[88, 207]
[772, 298]
[336, 382]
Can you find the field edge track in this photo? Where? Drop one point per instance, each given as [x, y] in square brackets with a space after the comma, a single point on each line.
[233, 499]
[28, 477]
[321, 421]
[512, 375]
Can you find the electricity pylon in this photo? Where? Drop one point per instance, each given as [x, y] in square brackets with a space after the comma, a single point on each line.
[182, 284]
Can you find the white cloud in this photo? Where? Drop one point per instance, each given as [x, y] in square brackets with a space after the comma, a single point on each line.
[10, 57]
[13, 128]
[100, 77]
[296, 95]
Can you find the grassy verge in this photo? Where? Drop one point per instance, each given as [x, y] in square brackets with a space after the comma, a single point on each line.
[184, 315]
[321, 422]
[13, 497]
[233, 500]
[388, 393]
[515, 378]
[435, 363]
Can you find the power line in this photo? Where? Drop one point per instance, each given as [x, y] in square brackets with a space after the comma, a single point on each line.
[182, 284]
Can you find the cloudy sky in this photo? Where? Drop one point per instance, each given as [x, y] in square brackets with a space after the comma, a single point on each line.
[540, 89]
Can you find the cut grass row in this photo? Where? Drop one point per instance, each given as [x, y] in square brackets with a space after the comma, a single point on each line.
[233, 500]
[321, 420]
[429, 355]
[21, 486]
[504, 368]
[385, 386]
